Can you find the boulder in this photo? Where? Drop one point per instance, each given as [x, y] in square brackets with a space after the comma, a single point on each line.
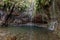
[40, 19]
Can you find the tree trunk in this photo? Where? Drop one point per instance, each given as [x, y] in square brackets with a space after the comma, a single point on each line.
[8, 17]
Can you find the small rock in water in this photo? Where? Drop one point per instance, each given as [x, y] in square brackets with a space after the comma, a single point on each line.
[52, 25]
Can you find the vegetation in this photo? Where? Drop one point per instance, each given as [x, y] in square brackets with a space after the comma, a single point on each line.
[42, 7]
[41, 4]
[20, 5]
[12, 5]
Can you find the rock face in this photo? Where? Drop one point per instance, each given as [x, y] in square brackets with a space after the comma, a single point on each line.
[40, 19]
[17, 18]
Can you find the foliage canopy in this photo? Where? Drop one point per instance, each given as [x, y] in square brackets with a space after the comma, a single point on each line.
[20, 5]
[41, 3]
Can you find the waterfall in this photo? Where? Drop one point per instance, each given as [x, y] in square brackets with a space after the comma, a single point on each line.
[30, 10]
